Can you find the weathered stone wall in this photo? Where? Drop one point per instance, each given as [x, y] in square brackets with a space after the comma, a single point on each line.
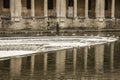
[39, 8]
[84, 24]
[4, 11]
[25, 11]
[80, 22]
[1, 7]
[24, 24]
[68, 24]
[81, 8]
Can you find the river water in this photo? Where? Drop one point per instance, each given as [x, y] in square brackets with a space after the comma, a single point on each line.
[101, 62]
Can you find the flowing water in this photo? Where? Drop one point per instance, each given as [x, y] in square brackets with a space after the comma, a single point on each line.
[101, 62]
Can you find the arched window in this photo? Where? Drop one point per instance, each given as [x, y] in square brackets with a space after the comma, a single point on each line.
[28, 4]
[6, 3]
[106, 4]
[50, 4]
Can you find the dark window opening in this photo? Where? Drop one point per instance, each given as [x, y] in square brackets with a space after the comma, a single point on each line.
[70, 3]
[6, 3]
[28, 4]
[89, 5]
[50, 4]
[106, 4]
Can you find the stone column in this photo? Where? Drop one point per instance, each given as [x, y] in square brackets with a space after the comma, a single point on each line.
[99, 58]
[97, 8]
[113, 9]
[112, 57]
[45, 8]
[75, 8]
[58, 4]
[63, 9]
[74, 59]
[86, 9]
[15, 67]
[102, 11]
[45, 62]
[15, 10]
[33, 8]
[12, 9]
[85, 58]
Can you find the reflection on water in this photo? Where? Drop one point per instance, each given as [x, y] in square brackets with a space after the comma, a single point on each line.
[101, 62]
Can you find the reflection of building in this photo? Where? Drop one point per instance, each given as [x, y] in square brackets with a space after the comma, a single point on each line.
[79, 13]
[63, 64]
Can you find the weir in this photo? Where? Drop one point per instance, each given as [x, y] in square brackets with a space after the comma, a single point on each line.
[18, 46]
[61, 63]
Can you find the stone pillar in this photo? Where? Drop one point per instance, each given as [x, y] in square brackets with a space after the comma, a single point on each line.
[74, 59]
[100, 12]
[86, 9]
[58, 4]
[112, 57]
[17, 10]
[15, 7]
[45, 62]
[32, 63]
[63, 9]
[97, 8]
[12, 9]
[75, 8]
[85, 58]
[113, 9]
[33, 8]
[45, 8]
[102, 5]
[15, 67]
[99, 58]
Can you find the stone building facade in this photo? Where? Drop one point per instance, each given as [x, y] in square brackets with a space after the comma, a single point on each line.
[69, 14]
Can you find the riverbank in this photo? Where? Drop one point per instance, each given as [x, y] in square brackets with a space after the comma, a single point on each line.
[9, 33]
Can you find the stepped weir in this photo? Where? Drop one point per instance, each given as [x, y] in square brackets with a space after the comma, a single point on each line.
[19, 46]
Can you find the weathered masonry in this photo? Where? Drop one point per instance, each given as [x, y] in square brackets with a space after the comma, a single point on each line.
[44, 14]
